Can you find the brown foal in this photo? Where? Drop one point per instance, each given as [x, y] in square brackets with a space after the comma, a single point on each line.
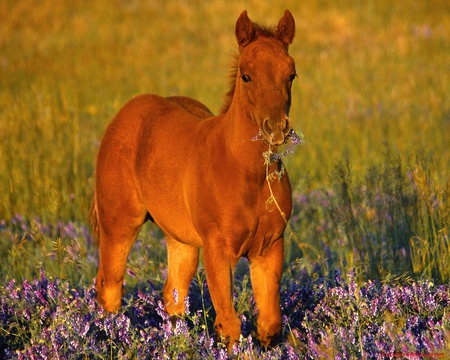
[203, 180]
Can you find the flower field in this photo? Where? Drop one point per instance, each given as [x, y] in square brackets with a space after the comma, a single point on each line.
[333, 318]
[324, 316]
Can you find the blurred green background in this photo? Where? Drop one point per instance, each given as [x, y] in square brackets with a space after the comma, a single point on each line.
[371, 73]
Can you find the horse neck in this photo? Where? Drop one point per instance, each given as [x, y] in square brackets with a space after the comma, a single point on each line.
[244, 146]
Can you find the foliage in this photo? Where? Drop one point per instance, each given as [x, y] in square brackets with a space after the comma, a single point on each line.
[393, 222]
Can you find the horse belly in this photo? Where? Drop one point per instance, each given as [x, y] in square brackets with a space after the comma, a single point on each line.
[176, 224]
[161, 167]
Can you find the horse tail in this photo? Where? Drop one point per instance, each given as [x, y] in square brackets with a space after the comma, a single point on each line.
[93, 220]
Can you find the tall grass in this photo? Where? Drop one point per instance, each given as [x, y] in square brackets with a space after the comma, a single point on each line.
[393, 222]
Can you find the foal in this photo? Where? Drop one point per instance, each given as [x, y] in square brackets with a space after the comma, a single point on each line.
[204, 181]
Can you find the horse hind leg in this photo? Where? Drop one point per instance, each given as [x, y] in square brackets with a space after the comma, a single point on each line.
[182, 262]
[116, 237]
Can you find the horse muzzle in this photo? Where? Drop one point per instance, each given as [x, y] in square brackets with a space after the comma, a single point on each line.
[276, 132]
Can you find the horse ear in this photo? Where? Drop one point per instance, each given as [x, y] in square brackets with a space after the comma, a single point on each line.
[286, 29]
[244, 31]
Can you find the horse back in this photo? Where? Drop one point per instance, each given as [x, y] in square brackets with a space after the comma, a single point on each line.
[143, 152]
[193, 106]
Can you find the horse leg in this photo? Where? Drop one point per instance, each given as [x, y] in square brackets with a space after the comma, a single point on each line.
[182, 262]
[219, 269]
[265, 272]
[117, 235]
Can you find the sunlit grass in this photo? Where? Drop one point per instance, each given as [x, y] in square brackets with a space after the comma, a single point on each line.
[369, 73]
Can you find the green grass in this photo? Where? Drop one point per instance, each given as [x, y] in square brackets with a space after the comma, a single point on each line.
[372, 92]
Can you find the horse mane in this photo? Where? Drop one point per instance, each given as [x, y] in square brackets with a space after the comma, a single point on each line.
[260, 30]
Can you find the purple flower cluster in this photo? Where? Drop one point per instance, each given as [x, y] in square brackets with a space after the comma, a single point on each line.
[333, 318]
[295, 138]
[46, 318]
[377, 321]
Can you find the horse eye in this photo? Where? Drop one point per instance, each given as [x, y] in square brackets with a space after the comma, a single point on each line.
[292, 77]
[246, 78]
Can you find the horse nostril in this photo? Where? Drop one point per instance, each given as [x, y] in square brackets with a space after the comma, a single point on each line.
[266, 127]
[287, 125]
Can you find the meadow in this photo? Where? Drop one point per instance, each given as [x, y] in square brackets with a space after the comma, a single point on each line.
[367, 256]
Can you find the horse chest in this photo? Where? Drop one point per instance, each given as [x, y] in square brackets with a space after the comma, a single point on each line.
[248, 221]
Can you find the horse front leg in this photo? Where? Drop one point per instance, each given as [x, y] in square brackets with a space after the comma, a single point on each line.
[219, 268]
[265, 272]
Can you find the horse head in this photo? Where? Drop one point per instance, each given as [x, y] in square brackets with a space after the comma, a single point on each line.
[265, 73]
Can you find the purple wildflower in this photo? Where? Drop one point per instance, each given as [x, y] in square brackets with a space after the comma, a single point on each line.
[294, 137]
[337, 318]
[175, 296]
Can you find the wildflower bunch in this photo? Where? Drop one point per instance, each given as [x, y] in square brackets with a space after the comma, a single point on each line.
[272, 157]
[377, 321]
[326, 317]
